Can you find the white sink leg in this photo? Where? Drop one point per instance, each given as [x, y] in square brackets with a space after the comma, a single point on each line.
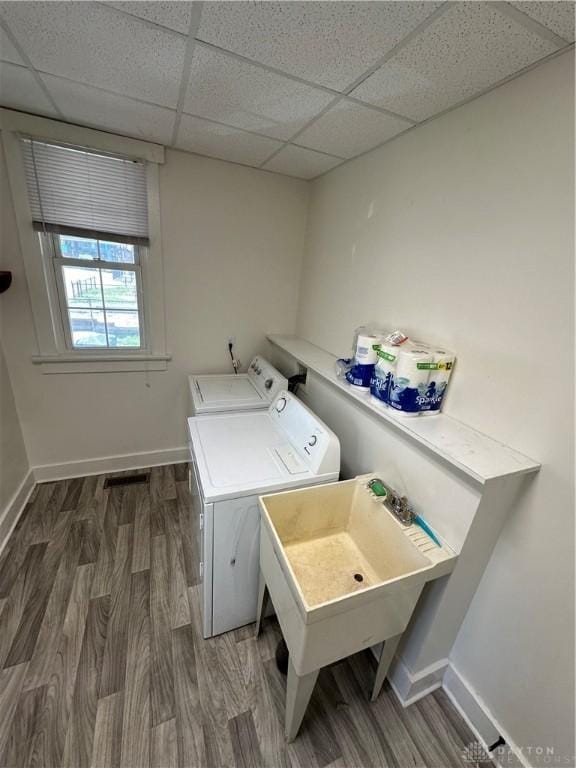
[298, 692]
[386, 656]
[262, 601]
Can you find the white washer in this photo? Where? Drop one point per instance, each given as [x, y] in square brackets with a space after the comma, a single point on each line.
[235, 457]
[217, 393]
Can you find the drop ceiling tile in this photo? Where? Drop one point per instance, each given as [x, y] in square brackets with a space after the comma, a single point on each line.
[206, 138]
[244, 95]
[464, 51]
[300, 162]
[174, 15]
[348, 129]
[7, 50]
[19, 90]
[98, 46]
[330, 43]
[108, 111]
[557, 16]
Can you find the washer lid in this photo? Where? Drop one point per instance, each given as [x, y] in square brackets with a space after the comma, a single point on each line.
[237, 449]
[225, 392]
[245, 454]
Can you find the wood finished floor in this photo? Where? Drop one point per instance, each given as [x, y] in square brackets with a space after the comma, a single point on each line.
[103, 664]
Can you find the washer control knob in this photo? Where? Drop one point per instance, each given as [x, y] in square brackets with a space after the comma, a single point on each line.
[280, 404]
[313, 440]
[268, 383]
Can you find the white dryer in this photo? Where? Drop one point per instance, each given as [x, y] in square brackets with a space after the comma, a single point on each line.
[235, 457]
[217, 393]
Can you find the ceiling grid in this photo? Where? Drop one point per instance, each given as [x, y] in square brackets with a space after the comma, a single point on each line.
[291, 87]
[192, 30]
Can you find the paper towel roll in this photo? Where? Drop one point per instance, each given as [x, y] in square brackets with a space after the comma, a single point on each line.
[387, 359]
[440, 371]
[407, 372]
[389, 352]
[365, 352]
[410, 381]
[384, 372]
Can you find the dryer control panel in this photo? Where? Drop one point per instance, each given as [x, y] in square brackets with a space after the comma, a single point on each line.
[267, 380]
[315, 443]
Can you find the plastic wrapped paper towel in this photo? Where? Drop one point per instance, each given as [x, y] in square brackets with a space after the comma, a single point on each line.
[384, 371]
[411, 379]
[439, 372]
[361, 372]
[365, 353]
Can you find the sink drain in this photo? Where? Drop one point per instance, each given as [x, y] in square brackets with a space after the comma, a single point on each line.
[358, 577]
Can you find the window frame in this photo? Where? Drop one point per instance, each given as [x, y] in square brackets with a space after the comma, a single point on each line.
[53, 354]
[59, 261]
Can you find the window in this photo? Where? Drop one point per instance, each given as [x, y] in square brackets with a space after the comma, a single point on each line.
[100, 289]
[88, 216]
[91, 207]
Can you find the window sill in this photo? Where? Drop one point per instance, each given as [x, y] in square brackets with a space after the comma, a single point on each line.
[106, 363]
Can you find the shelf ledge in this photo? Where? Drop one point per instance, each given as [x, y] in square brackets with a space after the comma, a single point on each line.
[470, 451]
[102, 363]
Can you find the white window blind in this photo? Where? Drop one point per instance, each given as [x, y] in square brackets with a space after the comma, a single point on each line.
[74, 190]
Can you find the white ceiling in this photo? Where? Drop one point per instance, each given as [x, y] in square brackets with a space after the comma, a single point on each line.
[292, 87]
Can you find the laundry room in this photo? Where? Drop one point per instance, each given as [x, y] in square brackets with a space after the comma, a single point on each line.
[287, 384]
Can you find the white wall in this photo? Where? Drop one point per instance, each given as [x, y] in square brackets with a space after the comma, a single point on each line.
[462, 232]
[13, 459]
[233, 242]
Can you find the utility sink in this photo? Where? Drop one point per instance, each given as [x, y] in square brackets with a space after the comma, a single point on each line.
[342, 571]
[339, 548]
[338, 542]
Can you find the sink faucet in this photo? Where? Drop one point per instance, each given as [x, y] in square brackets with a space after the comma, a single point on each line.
[392, 500]
[400, 507]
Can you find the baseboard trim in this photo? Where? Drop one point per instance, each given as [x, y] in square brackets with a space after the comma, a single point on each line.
[480, 720]
[11, 513]
[467, 702]
[410, 686]
[50, 472]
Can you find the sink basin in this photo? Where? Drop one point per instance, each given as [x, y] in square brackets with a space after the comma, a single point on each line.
[337, 542]
[333, 552]
[343, 574]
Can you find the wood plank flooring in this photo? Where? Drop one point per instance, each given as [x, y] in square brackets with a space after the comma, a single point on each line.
[103, 664]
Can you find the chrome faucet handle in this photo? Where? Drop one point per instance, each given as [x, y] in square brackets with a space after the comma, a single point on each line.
[405, 513]
[391, 501]
[400, 508]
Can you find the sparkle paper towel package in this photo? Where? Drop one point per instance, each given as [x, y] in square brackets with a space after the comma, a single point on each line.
[411, 377]
[440, 370]
[420, 379]
[408, 376]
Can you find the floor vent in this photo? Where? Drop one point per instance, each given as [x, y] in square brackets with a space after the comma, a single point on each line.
[113, 482]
